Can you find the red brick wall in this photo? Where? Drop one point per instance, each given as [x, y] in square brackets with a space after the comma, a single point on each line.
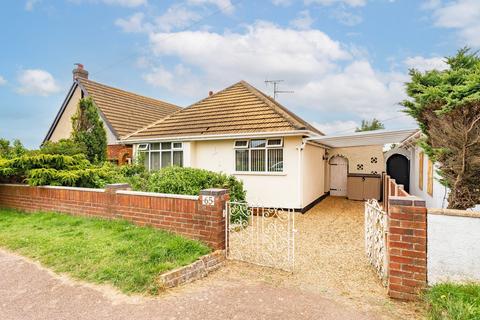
[407, 247]
[119, 153]
[185, 215]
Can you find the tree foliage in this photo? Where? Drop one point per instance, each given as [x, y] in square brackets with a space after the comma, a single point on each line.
[88, 130]
[11, 150]
[446, 105]
[372, 125]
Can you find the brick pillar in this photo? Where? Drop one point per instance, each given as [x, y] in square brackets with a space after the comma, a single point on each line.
[211, 206]
[111, 192]
[407, 247]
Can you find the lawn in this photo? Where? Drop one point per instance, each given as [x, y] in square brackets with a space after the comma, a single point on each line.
[100, 251]
[449, 301]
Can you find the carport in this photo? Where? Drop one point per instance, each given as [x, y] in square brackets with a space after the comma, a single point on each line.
[356, 161]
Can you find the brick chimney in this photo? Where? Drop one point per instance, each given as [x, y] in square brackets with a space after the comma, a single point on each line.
[79, 72]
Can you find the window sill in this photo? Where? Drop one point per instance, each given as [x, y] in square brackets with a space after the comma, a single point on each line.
[260, 173]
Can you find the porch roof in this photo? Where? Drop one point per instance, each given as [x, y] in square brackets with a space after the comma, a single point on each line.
[366, 138]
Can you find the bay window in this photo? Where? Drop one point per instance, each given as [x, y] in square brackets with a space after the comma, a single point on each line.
[161, 155]
[259, 155]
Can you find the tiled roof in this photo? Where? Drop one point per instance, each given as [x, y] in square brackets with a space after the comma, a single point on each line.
[240, 108]
[126, 112]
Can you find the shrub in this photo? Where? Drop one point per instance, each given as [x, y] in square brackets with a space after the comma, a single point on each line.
[66, 147]
[190, 181]
[58, 170]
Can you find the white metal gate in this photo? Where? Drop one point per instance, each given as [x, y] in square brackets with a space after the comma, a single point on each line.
[259, 235]
[376, 225]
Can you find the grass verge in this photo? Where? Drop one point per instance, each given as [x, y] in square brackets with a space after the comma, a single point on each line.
[100, 251]
[449, 301]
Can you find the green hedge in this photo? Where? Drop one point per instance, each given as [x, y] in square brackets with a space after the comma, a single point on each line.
[77, 171]
[189, 181]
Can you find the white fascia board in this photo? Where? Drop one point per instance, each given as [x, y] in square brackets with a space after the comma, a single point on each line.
[224, 136]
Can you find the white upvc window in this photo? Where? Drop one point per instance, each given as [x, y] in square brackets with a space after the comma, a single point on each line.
[162, 154]
[259, 155]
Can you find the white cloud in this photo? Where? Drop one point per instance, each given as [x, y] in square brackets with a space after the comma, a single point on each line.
[263, 49]
[462, 15]
[283, 3]
[303, 21]
[132, 24]
[123, 3]
[225, 6]
[336, 127]
[30, 4]
[126, 3]
[346, 17]
[2, 81]
[423, 64]
[36, 82]
[176, 17]
[351, 3]
[328, 78]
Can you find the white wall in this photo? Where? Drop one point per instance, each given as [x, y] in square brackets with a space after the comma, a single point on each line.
[362, 156]
[63, 129]
[453, 248]
[313, 173]
[268, 189]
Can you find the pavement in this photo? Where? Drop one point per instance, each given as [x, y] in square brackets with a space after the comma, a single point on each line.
[29, 291]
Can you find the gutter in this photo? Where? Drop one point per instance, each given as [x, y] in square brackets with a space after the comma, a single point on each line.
[300, 149]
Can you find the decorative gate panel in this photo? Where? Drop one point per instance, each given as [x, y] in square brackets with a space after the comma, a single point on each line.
[258, 235]
[376, 238]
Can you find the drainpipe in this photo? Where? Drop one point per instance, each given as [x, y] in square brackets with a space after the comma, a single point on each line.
[300, 172]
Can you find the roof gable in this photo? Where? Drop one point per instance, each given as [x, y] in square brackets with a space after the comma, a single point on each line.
[124, 111]
[240, 108]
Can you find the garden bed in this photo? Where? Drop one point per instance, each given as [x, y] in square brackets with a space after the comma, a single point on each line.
[101, 251]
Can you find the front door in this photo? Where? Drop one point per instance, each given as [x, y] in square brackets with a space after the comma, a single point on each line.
[338, 176]
[398, 168]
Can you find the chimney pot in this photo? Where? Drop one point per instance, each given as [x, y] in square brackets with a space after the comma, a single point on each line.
[210, 93]
[79, 72]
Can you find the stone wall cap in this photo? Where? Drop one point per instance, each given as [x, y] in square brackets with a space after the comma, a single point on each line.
[213, 192]
[455, 212]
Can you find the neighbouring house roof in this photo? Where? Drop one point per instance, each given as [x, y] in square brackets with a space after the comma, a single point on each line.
[366, 138]
[125, 112]
[240, 108]
[412, 140]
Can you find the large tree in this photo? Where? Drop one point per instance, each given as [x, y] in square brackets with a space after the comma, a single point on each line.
[88, 130]
[366, 125]
[446, 105]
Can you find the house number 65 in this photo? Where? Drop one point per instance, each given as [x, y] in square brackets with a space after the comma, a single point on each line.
[208, 200]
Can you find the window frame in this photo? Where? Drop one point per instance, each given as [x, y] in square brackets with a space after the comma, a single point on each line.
[265, 148]
[147, 150]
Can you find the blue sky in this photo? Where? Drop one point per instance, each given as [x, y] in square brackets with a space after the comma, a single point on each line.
[345, 60]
